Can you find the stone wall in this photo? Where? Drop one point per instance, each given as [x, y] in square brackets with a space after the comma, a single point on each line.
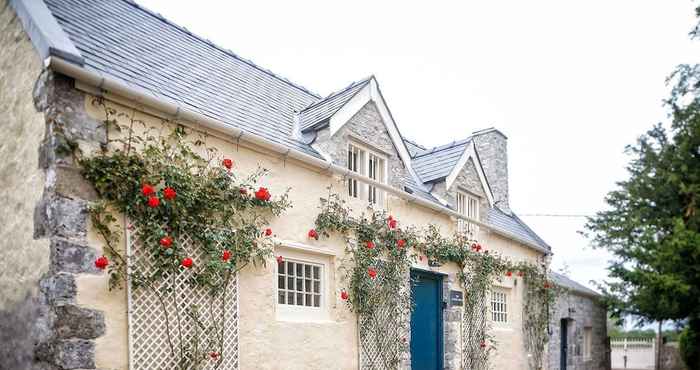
[580, 312]
[492, 147]
[23, 258]
[467, 180]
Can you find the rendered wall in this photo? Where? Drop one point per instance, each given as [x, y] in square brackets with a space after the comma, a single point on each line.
[23, 259]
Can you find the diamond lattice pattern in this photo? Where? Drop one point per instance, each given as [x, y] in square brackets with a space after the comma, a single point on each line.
[149, 324]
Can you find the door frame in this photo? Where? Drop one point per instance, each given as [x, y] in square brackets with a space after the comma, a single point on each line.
[563, 344]
[439, 276]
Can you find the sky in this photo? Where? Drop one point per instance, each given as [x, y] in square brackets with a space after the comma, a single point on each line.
[571, 83]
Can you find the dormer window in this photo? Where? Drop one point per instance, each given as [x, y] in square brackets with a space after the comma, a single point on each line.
[370, 164]
[467, 205]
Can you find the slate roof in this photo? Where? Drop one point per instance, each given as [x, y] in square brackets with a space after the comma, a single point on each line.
[566, 282]
[514, 225]
[414, 148]
[169, 62]
[320, 111]
[437, 163]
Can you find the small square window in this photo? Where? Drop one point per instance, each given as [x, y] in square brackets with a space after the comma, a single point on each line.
[499, 306]
[299, 284]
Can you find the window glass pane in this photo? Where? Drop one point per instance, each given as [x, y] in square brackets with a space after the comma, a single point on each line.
[317, 271]
[290, 283]
[317, 286]
[280, 297]
[290, 297]
[317, 301]
[300, 284]
[307, 271]
[308, 300]
[307, 287]
[299, 270]
[280, 282]
[290, 268]
[300, 299]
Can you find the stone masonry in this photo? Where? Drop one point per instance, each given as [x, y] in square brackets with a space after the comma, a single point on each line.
[492, 147]
[580, 311]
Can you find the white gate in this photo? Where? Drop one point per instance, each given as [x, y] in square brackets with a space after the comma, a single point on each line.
[152, 314]
[632, 353]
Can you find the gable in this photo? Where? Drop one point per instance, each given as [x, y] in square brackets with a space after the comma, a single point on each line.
[468, 180]
[366, 129]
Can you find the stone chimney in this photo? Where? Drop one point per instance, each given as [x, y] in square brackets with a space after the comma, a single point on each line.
[492, 148]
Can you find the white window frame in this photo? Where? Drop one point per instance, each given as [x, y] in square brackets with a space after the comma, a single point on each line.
[363, 160]
[298, 253]
[467, 205]
[499, 303]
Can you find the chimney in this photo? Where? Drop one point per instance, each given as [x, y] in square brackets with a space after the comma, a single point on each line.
[492, 148]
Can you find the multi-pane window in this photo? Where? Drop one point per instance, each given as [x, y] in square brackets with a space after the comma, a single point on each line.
[469, 206]
[499, 306]
[299, 284]
[366, 163]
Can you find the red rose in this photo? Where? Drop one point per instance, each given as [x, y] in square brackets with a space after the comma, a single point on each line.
[279, 259]
[166, 241]
[243, 191]
[169, 193]
[226, 255]
[392, 223]
[214, 355]
[420, 258]
[546, 285]
[262, 194]
[101, 263]
[268, 232]
[520, 273]
[344, 295]
[186, 262]
[509, 274]
[153, 201]
[227, 163]
[313, 234]
[372, 272]
[147, 190]
[370, 244]
[474, 246]
[483, 344]
[400, 243]
[478, 247]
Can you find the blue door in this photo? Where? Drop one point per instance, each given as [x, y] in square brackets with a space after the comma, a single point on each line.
[426, 321]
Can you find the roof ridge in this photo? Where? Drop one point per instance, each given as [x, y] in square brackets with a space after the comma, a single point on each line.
[336, 93]
[226, 51]
[444, 147]
[415, 143]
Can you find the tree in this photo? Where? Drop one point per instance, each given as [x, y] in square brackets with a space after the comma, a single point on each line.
[652, 224]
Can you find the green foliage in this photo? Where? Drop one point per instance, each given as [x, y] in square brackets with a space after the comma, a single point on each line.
[197, 197]
[373, 244]
[690, 351]
[652, 225]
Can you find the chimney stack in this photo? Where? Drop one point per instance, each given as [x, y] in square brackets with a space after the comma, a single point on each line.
[492, 148]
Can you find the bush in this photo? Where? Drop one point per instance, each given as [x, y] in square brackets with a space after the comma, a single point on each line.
[689, 348]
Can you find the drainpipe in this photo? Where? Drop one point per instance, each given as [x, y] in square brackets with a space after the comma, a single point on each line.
[171, 109]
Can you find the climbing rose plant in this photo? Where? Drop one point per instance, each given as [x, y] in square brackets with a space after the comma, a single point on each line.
[381, 253]
[170, 186]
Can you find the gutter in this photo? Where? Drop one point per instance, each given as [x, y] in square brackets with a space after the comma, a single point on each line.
[141, 97]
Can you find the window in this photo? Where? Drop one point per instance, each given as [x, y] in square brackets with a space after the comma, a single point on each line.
[371, 165]
[299, 284]
[469, 206]
[499, 306]
[587, 342]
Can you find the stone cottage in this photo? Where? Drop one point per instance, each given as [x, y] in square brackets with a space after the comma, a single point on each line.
[578, 325]
[59, 57]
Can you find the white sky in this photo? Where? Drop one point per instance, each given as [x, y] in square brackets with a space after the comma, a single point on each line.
[569, 82]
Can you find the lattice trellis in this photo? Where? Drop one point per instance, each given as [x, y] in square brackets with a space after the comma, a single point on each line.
[477, 343]
[383, 332]
[151, 314]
